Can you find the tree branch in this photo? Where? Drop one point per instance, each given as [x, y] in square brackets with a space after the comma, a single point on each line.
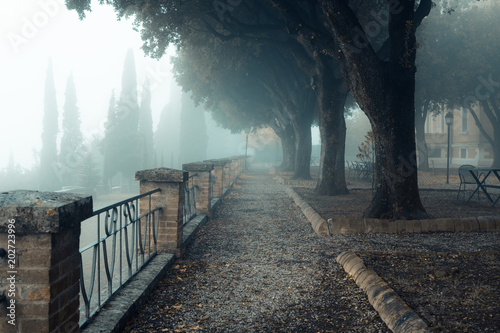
[480, 126]
[423, 10]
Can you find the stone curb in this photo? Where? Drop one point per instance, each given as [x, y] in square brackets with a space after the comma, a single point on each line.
[395, 313]
[319, 225]
[343, 225]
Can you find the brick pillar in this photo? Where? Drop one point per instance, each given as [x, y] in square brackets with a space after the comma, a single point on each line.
[170, 199]
[43, 287]
[230, 172]
[233, 168]
[226, 174]
[202, 172]
[242, 163]
[217, 177]
[238, 167]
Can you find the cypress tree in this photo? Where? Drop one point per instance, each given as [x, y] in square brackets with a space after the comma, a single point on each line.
[194, 137]
[127, 116]
[72, 148]
[167, 136]
[89, 175]
[50, 177]
[109, 144]
[146, 126]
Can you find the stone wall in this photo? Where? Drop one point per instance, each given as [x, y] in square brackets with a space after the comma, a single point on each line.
[40, 236]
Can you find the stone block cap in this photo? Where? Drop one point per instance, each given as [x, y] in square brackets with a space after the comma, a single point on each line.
[220, 162]
[162, 175]
[198, 166]
[43, 212]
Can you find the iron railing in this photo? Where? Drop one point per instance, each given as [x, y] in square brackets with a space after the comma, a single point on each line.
[121, 232]
[190, 199]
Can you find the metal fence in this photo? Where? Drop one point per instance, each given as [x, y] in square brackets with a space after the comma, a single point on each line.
[123, 238]
[190, 201]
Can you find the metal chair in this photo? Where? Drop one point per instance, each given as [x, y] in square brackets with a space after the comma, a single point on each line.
[466, 178]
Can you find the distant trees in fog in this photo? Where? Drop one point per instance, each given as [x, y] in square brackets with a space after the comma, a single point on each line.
[109, 144]
[126, 130]
[72, 148]
[146, 127]
[48, 179]
[127, 145]
[193, 141]
[166, 138]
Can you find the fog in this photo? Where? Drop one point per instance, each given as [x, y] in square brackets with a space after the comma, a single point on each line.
[458, 73]
[93, 51]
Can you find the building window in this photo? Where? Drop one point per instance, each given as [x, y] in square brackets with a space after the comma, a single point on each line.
[442, 122]
[463, 153]
[465, 124]
[434, 153]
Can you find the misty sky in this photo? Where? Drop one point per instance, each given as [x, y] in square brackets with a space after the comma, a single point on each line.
[31, 32]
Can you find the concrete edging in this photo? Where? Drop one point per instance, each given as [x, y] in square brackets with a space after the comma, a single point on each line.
[318, 223]
[343, 225]
[395, 313]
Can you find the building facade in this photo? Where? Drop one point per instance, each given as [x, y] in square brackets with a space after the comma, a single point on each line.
[467, 144]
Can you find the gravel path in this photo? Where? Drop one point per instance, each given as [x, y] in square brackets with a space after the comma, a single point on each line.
[258, 267]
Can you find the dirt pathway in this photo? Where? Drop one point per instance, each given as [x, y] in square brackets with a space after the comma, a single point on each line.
[257, 267]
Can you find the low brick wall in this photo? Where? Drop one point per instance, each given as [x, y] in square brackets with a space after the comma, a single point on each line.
[40, 237]
[217, 177]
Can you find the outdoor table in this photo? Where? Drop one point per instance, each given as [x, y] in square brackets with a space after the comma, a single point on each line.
[481, 184]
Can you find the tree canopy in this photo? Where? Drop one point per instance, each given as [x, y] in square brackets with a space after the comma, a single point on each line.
[372, 44]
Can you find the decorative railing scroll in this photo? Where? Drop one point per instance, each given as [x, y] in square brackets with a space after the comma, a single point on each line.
[123, 238]
[190, 199]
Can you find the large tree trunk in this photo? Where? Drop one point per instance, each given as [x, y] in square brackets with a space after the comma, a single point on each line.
[284, 130]
[288, 147]
[332, 94]
[422, 150]
[303, 144]
[392, 114]
[384, 89]
[396, 184]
